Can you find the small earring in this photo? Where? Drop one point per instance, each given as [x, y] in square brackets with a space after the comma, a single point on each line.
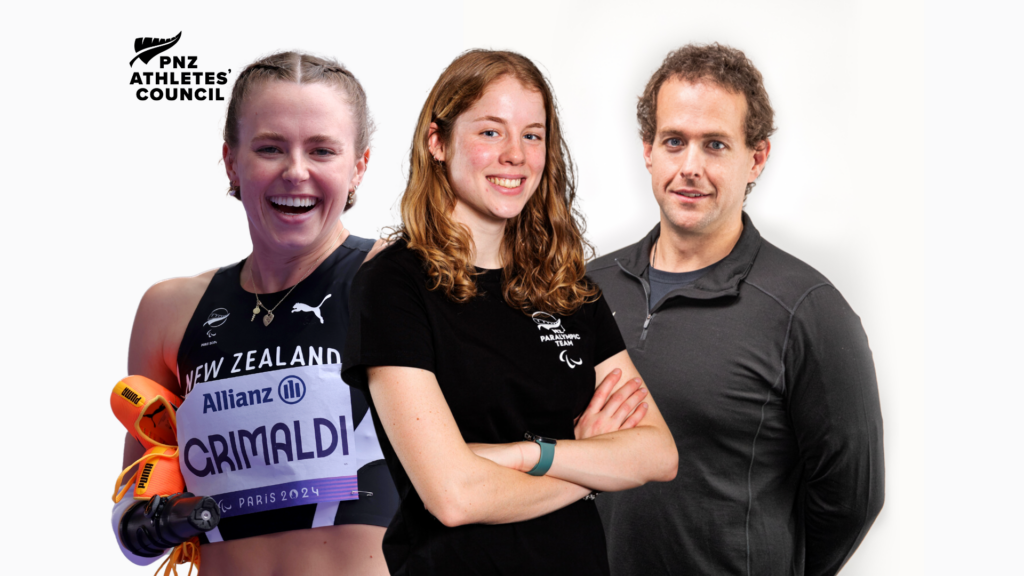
[351, 197]
[235, 190]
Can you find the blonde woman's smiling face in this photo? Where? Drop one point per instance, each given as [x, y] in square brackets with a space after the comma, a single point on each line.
[295, 162]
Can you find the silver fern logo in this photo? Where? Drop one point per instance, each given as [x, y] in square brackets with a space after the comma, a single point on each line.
[217, 318]
[147, 48]
[548, 322]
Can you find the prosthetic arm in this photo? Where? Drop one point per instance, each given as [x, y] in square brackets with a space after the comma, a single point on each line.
[160, 514]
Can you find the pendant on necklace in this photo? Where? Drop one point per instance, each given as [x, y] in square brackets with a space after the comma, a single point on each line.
[255, 311]
[268, 318]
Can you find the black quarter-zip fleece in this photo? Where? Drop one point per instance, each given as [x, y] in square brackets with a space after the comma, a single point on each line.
[765, 377]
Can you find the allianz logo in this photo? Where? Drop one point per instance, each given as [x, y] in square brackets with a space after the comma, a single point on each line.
[291, 390]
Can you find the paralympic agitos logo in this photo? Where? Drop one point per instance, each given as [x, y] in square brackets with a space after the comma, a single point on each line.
[183, 82]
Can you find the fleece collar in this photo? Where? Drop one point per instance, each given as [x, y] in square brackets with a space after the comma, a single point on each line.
[723, 280]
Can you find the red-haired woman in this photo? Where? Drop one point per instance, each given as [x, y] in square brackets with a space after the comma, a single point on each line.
[481, 343]
[267, 426]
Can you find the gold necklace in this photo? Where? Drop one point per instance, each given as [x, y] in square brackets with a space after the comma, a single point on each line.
[270, 311]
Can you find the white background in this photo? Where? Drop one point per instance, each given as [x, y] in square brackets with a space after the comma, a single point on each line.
[891, 172]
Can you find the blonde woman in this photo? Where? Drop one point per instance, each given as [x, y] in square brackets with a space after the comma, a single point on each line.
[267, 427]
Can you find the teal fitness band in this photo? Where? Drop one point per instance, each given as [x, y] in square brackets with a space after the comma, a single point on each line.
[547, 454]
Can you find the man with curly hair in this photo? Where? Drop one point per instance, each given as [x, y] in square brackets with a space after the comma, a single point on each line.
[761, 368]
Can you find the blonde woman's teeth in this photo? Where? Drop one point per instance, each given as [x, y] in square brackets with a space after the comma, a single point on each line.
[506, 182]
[293, 201]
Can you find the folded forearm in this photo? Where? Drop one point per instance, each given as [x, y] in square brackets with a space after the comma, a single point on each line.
[617, 461]
[487, 493]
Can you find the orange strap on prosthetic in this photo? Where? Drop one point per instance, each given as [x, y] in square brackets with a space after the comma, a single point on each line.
[159, 474]
[187, 551]
[147, 410]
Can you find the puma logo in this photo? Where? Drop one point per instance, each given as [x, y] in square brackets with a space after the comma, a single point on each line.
[300, 307]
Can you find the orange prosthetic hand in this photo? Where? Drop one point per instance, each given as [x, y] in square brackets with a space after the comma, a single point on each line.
[164, 515]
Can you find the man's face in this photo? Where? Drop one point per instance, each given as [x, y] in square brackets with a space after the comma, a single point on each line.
[699, 161]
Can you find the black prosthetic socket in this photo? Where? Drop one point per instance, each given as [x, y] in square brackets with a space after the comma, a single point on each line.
[149, 528]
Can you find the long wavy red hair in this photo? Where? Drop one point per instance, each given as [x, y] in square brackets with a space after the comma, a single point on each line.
[543, 251]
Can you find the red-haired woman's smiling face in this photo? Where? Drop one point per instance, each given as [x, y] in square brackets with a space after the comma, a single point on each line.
[497, 153]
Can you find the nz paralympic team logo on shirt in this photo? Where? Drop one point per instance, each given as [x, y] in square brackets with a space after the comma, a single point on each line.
[548, 322]
[291, 390]
[557, 334]
[217, 318]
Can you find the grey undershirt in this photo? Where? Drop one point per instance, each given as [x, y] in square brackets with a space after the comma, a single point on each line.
[664, 282]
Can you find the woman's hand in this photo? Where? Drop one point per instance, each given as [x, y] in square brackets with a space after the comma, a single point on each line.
[521, 456]
[606, 413]
[609, 412]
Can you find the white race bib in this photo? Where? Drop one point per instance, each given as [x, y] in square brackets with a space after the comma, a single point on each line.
[271, 440]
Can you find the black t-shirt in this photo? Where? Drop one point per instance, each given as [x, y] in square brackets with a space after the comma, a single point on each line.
[502, 373]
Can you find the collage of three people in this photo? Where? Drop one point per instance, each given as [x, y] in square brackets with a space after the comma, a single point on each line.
[476, 390]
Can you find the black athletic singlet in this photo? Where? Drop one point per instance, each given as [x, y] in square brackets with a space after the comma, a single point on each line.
[308, 331]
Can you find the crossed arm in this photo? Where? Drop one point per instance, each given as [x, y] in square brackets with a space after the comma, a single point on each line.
[462, 484]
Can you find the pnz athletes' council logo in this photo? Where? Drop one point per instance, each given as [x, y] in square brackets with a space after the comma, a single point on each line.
[291, 390]
[183, 82]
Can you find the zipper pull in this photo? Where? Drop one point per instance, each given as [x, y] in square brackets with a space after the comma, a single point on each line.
[643, 333]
